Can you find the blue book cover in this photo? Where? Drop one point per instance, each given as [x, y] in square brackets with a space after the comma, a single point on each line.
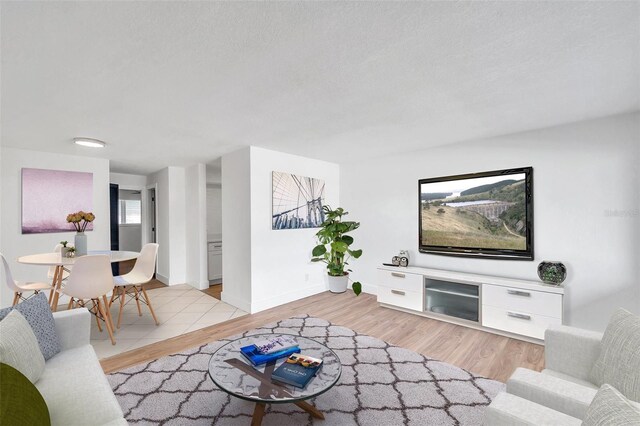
[297, 371]
[254, 356]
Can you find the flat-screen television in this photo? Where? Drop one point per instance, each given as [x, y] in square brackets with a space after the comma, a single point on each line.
[487, 215]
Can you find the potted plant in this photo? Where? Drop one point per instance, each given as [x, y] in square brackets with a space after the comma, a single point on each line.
[335, 250]
[65, 249]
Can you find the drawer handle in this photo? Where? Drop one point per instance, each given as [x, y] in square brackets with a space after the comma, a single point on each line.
[519, 316]
[401, 293]
[519, 293]
[397, 274]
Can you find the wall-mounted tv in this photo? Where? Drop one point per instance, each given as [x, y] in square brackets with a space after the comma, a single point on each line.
[486, 215]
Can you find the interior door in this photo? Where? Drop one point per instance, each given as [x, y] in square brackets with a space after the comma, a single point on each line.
[114, 199]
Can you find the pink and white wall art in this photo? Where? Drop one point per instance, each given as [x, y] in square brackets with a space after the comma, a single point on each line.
[49, 195]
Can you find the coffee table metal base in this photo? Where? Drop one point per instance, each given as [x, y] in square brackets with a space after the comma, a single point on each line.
[258, 412]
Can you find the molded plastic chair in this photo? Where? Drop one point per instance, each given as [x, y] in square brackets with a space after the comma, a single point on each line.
[132, 284]
[91, 280]
[19, 287]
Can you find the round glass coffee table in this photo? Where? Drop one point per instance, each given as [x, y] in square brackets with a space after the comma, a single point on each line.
[234, 374]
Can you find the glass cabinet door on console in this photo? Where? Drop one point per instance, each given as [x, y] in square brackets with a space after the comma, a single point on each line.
[452, 299]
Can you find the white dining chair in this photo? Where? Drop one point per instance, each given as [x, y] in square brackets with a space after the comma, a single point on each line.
[20, 287]
[88, 284]
[132, 283]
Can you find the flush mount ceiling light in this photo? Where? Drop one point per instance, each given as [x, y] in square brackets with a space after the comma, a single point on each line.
[92, 143]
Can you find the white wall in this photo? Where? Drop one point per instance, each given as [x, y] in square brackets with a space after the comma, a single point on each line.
[586, 209]
[214, 209]
[161, 180]
[281, 270]
[181, 224]
[196, 228]
[13, 243]
[236, 228]
[264, 268]
[128, 181]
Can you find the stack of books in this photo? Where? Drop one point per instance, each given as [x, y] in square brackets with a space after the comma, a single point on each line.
[264, 351]
[297, 371]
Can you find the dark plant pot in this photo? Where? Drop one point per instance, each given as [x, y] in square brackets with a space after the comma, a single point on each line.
[552, 272]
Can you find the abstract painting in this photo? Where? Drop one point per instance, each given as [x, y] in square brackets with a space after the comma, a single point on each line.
[297, 201]
[49, 195]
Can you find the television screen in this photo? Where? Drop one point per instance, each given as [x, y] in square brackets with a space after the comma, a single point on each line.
[486, 214]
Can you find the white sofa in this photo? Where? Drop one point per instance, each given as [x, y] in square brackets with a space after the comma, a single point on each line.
[73, 384]
[560, 394]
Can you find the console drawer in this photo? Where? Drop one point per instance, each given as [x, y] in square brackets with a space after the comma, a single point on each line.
[401, 298]
[401, 280]
[517, 322]
[520, 300]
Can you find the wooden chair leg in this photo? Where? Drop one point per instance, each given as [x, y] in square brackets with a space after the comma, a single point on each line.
[146, 298]
[105, 316]
[96, 312]
[114, 292]
[16, 298]
[135, 289]
[123, 292]
[53, 285]
[70, 305]
[108, 312]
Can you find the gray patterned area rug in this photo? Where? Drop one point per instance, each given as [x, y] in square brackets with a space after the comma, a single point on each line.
[381, 384]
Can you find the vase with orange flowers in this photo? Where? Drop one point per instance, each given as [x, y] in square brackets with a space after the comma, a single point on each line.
[80, 220]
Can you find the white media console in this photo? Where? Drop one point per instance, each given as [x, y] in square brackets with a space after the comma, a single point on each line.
[516, 308]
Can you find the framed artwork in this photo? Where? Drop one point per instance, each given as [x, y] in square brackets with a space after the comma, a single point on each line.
[297, 201]
[48, 196]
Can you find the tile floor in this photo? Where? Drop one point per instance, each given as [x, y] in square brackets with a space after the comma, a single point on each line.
[180, 309]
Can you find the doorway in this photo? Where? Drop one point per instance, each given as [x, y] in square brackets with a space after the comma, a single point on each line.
[151, 223]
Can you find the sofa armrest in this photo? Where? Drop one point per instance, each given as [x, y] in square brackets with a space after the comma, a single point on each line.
[572, 351]
[510, 410]
[73, 327]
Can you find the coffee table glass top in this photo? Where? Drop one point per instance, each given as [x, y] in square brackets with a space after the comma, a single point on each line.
[234, 374]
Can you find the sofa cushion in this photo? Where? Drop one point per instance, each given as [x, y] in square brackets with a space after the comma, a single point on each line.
[76, 389]
[19, 347]
[569, 378]
[619, 362]
[21, 403]
[544, 389]
[38, 314]
[610, 407]
[510, 410]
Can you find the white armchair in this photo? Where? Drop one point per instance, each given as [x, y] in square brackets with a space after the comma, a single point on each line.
[559, 395]
[564, 385]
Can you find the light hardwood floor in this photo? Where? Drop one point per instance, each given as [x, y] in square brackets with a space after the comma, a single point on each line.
[482, 353]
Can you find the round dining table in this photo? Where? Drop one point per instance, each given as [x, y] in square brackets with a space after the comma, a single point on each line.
[61, 262]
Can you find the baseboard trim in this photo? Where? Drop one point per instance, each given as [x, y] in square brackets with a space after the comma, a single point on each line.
[281, 299]
[235, 301]
[162, 279]
[368, 288]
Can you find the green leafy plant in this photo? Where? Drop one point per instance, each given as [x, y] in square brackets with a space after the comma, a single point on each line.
[64, 243]
[334, 246]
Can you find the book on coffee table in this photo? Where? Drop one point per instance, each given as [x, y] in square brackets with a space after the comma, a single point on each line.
[297, 371]
[253, 354]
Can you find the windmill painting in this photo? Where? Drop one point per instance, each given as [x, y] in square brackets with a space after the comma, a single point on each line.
[297, 201]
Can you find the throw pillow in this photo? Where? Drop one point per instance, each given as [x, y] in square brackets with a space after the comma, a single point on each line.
[19, 347]
[21, 403]
[619, 362]
[609, 408]
[38, 314]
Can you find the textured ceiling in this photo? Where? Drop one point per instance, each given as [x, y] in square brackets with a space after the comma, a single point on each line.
[182, 82]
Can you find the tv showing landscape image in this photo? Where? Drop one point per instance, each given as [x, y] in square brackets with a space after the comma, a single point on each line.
[482, 214]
